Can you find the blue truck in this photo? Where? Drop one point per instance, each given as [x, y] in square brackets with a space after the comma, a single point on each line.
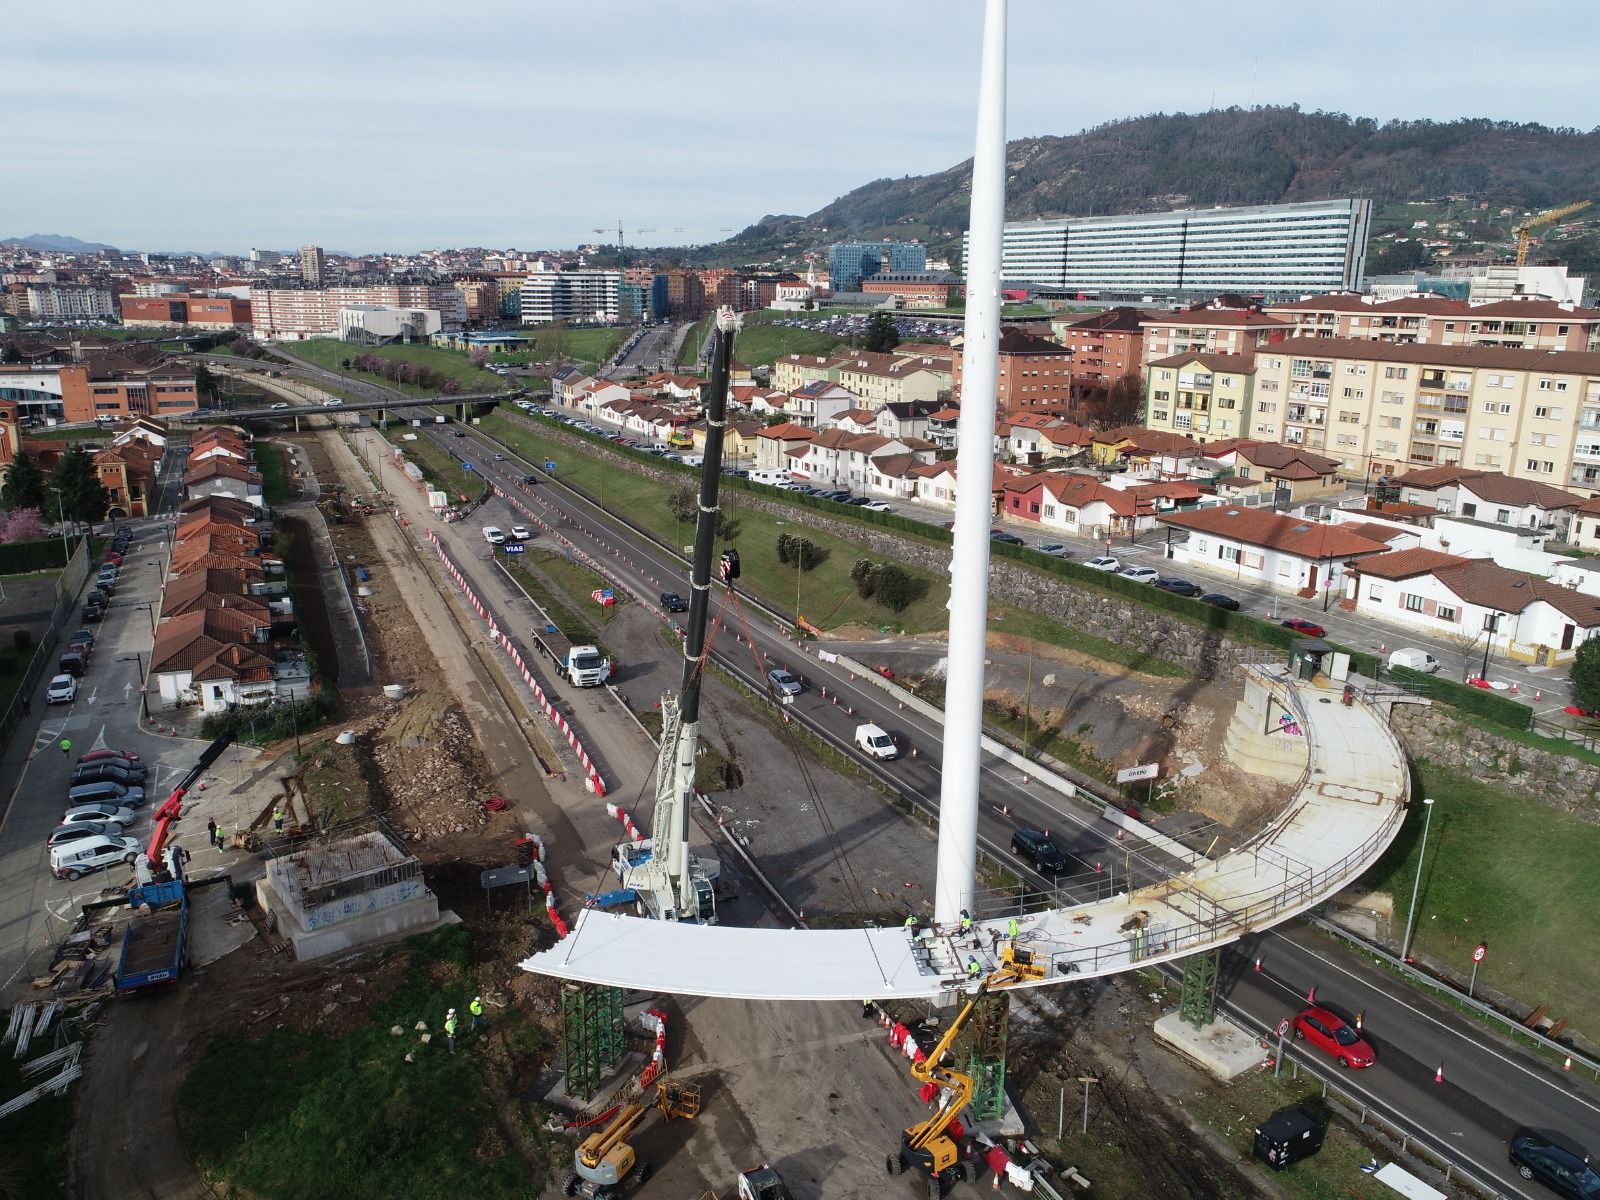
[155, 945]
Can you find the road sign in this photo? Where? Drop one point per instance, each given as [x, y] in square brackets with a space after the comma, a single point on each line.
[550, 464]
[514, 548]
[1479, 951]
[1283, 1027]
[1133, 774]
[466, 466]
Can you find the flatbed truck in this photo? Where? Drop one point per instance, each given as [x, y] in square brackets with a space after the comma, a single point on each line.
[583, 666]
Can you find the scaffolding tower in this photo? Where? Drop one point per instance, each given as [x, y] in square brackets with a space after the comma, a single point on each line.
[593, 1036]
[1198, 1003]
[986, 1055]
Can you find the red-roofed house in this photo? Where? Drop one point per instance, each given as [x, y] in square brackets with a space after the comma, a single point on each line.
[1284, 552]
[775, 441]
[211, 657]
[223, 477]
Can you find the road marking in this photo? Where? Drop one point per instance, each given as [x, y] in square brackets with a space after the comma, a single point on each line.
[1537, 1076]
[94, 694]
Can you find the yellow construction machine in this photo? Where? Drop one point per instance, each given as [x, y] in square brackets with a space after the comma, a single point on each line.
[927, 1146]
[1524, 232]
[604, 1162]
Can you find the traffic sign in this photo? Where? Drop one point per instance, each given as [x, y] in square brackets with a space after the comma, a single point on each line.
[1479, 951]
[550, 464]
[1283, 1027]
[514, 548]
[1134, 774]
[466, 466]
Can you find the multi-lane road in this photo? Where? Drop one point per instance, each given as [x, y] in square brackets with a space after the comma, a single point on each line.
[1489, 1085]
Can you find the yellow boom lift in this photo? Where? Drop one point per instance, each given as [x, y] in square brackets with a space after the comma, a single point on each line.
[604, 1162]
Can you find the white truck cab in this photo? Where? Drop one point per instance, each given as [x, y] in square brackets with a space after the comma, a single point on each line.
[872, 740]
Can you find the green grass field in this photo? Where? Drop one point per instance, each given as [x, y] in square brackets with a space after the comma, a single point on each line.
[330, 353]
[689, 352]
[1507, 871]
[274, 482]
[349, 1118]
[762, 342]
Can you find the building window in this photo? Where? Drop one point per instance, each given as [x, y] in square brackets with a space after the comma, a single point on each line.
[1374, 591]
[1412, 602]
[1446, 613]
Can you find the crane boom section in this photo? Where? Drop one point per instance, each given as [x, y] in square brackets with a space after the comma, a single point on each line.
[598, 1145]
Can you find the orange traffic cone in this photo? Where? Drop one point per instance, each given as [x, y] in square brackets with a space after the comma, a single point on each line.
[1537, 694]
[1438, 1076]
[1258, 964]
[1311, 996]
[1567, 1066]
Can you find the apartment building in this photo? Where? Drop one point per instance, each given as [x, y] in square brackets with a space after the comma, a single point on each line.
[1383, 407]
[65, 302]
[581, 297]
[313, 266]
[1212, 330]
[286, 315]
[482, 298]
[880, 379]
[1035, 375]
[1521, 324]
[849, 263]
[1273, 250]
[176, 310]
[1105, 347]
[1200, 395]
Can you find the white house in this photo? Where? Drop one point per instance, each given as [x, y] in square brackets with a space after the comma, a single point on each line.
[775, 441]
[212, 657]
[815, 405]
[844, 460]
[1306, 557]
[1522, 503]
[1523, 616]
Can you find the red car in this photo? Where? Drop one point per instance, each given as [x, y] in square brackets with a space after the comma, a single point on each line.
[1309, 628]
[1328, 1032]
[105, 755]
[884, 670]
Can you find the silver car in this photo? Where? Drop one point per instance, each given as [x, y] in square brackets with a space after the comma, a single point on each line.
[113, 813]
[784, 683]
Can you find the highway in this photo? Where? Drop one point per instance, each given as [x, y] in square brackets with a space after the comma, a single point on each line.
[1490, 1085]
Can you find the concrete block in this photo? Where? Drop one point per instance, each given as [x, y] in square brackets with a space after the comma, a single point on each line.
[1224, 1049]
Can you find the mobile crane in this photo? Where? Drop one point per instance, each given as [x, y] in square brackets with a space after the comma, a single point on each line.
[669, 882]
[927, 1145]
[605, 1161]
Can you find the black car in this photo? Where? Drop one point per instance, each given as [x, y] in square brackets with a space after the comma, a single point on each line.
[530, 479]
[1218, 600]
[93, 613]
[673, 602]
[1559, 1165]
[1178, 587]
[83, 640]
[859, 500]
[1035, 846]
[1010, 539]
[109, 771]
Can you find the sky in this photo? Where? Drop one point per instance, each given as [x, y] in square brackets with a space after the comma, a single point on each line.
[402, 126]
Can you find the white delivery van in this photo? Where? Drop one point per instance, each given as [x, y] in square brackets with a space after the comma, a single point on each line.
[1415, 660]
[494, 535]
[876, 742]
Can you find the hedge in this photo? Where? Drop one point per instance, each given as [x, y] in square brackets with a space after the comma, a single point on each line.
[1483, 702]
[24, 558]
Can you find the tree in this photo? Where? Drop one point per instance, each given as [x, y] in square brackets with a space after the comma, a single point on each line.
[1124, 403]
[450, 388]
[881, 335]
[865, 576]
[205, 383]
[1586, 675]
[1398, 257]
[684, 504]
[24, 487]
[24, 525]
[10, 354]
[895, 587]
[786, 549]
[83, 496]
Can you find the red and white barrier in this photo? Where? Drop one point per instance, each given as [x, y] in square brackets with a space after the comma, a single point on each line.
[622, 818]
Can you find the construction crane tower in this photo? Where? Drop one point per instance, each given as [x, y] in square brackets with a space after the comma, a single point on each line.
[1524, 231]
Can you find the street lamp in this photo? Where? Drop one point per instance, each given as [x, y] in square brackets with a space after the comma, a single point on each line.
[1488, 640]
[1411, 917]
[61, 510]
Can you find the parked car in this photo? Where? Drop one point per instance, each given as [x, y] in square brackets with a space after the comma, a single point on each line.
[1055, 549]
[63, 689]
[859, 501]
[1178, 587]
[785, 683]
[673, 602]
[1309, 628]
[83, 829]
[873, 740]
[115, 770]
[76, 859]
[1010, 539]
[878, 506]
[1218, 600]
[1036, 846]
[1329, 1032]
[116, 814]
[521, 532]
[1562, 1166]
[73, 662]
[108, 755]
[107, 791]
[83, 640]
[1104, 563]
[93, 612]
[1416, 660]
[1140, 574]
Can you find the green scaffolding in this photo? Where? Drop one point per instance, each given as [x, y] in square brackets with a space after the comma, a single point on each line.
[1198, 1005]
[593, 1036]
[985, 1036]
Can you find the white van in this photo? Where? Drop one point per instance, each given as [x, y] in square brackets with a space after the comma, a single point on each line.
[71, 860]
[774, 478]
[1415, 660]
[494, 535]
[876, 742]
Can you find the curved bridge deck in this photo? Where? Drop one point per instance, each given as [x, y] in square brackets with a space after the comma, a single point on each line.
[1345, 813]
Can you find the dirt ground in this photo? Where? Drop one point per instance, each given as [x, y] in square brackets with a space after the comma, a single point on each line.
[428, 762]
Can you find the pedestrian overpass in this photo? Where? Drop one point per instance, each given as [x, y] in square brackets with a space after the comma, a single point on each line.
[1345, 811]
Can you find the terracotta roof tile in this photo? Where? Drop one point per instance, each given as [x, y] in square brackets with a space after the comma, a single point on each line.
[1256, 527]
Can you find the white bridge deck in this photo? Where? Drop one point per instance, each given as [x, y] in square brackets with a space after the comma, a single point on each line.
[1346, 812]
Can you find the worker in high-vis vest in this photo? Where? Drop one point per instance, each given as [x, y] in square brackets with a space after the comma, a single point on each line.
[1013, 929]
[450, 1029]
[966, 921]
[476, 1009]
[911, 921]
[974, 969]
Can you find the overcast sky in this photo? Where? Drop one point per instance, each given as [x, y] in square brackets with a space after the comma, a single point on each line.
[402, 125]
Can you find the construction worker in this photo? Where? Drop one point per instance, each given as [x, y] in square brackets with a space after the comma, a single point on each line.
[212, 837]
[966, 922]
[476, 1009]
[911, 924]
[66, 745]
[277, 827]
[1013, 929]
[974, 968]
[450, 1029]
[866, 1009]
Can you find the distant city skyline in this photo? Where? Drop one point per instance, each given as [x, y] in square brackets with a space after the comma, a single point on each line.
[507, 125]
